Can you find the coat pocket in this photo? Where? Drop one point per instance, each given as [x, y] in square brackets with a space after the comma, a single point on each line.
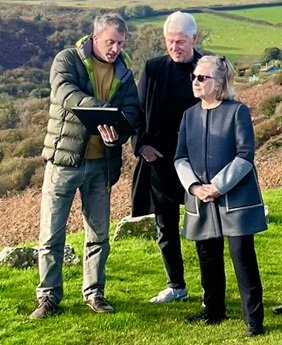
[246, 194]
[191, 204]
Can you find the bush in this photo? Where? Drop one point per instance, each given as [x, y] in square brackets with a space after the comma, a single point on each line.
[138, 11]
[16, 173]
[277, 79]
[40, 93]
[271, 53]
[29, 147]
[266, 129]
[11, 136]
[268, 106]
[32, 112]
[36, 180]
[8, 116]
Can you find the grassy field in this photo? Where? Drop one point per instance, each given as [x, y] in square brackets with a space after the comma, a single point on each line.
[135, 273]
[239, 40]
[271, 14]
[156, 4]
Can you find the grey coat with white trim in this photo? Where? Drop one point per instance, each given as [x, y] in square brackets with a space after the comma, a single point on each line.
[217, 146]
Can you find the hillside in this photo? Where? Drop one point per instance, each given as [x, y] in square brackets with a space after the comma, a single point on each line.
[19, 212]
[38, 33]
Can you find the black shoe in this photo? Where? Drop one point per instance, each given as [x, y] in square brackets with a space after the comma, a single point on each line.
[254, 329]
[45, 308]
[208, 319]
[100, 305]
[278, 310]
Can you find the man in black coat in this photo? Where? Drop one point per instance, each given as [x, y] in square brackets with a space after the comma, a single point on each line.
[165, 91]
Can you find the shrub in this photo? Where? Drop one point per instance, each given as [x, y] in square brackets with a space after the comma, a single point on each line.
[267, 129]
[277, 79]
[36, 180]
[29, 147]
[268, 106]
[138, 11]
[40, 93]
[11, 136]
[8, 116]
[32, 112]
[278, 111]
[271, 53]
[15, 173]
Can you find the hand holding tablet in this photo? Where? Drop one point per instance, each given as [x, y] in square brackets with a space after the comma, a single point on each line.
[92, 117]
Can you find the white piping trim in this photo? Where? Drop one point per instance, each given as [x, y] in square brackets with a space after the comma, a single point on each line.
[197, 209]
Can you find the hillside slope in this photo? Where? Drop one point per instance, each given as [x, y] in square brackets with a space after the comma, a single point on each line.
[19, 212]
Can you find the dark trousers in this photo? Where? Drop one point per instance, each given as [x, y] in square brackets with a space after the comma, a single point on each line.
[244, 259]
[164, 191]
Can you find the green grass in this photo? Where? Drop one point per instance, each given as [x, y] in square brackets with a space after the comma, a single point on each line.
[269, 14]
[134, 274]
[238, 40]
[156, 4]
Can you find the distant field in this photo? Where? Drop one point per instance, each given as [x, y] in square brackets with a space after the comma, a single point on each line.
[156, 4]
[272, 14]
[238, 39]
[233, 38]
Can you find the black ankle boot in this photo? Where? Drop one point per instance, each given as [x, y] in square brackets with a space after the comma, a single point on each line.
[254, 328]
[207, 318]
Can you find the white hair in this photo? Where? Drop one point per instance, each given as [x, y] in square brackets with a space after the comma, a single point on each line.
[180, 22]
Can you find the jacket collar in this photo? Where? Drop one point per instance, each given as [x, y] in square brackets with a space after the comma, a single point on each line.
[121, 65]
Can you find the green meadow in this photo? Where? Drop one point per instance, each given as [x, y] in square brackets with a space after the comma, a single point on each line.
[134, 274]
[238, 40]
[272, 15]
[155, 4]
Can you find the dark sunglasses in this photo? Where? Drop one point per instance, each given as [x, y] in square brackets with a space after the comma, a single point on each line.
[201, 78]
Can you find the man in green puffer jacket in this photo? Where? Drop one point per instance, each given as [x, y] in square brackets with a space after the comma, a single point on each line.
[94, 74]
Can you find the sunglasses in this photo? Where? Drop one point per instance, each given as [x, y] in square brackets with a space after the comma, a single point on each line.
[201, 78]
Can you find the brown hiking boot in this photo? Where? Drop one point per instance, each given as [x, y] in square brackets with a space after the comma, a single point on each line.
[100, 305]
[44, 309]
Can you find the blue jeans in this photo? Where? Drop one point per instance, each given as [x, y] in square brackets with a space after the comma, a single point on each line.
[58, 191]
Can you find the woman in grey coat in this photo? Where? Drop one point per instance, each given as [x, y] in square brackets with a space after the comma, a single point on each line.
[215, 163]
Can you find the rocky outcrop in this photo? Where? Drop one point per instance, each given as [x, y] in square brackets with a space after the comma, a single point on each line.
[26, 257]
[143, 227]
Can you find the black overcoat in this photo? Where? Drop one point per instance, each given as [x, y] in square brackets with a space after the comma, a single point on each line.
[152, 90]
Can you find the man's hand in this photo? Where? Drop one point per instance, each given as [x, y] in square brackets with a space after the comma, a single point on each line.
[108, 134]
[149, 153]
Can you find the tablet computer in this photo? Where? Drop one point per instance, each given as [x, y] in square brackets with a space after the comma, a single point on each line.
[92, 117]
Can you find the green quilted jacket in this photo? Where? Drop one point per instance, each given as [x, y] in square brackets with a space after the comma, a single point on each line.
[71, 79]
